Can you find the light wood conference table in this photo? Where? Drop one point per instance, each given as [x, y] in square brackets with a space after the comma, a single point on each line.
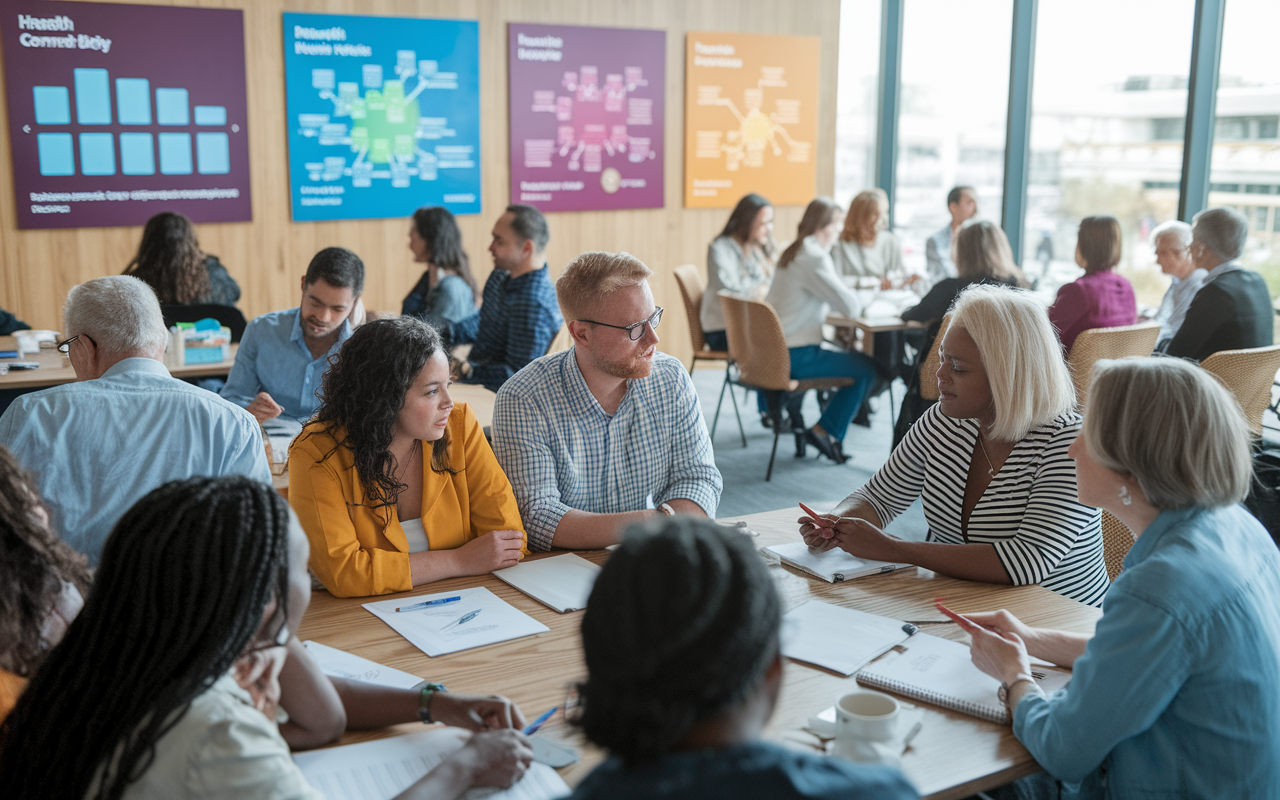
[870, 326]
[55, 368]
[954, 755]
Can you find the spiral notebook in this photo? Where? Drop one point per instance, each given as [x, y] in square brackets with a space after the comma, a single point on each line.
[833, 565]
[941, 672]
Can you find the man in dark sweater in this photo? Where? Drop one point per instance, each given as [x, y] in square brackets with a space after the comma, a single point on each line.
[1232, 310]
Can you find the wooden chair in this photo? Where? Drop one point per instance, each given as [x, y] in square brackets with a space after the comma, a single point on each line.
[1249, 374]
[693, 291]
[929, 366]
[1095, 344]
[1116, 541]
[762, 359]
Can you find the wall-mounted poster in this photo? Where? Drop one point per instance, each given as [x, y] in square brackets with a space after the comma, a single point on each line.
[751, 118]
[118, 112]
[586, 116]
[383, 115]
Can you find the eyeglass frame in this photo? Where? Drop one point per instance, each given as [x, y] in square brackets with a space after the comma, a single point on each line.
[64, 347]
[653, 321]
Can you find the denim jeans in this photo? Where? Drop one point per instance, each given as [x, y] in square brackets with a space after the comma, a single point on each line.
[812, 361]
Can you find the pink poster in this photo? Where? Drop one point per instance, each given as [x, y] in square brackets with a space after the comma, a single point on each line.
[586, 117]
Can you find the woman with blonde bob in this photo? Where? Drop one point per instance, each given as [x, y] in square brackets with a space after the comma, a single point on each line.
[1177, 692]
[866, 248]
[989, 461]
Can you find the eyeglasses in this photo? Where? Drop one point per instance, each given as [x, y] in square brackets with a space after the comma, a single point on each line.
[636, 329]
[65, 347]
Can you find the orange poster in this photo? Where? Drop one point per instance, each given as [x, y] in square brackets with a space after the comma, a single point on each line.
[751, 118]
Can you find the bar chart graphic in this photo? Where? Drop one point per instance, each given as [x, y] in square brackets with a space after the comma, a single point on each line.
[125, 112]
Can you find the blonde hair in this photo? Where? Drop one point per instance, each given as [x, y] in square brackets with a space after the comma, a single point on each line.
[1173, 427]
[982, 251]
[591, 277]
[1030, 384]
[820, 213]
[862, 223]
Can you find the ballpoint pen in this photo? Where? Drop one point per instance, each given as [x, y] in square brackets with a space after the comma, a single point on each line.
[429, 603]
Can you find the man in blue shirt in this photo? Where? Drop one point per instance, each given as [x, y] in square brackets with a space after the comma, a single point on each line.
[284, 354]
[519, 316]
[609, 432]
[126, 426]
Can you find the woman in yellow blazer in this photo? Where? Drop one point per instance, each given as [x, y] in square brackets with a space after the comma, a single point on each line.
[383, 514]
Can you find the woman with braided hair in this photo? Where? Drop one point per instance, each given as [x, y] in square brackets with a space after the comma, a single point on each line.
[169, 681]
[683, 671]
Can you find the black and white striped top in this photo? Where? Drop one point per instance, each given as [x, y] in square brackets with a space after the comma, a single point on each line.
[1029, 512]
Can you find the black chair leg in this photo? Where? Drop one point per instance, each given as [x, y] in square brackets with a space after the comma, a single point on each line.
[772, 453]
[716, 419]
[774, 402]
[741, 431]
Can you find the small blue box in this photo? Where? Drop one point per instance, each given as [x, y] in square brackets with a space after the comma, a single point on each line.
[211, 115]
[175, 154]
[53, 105]
[57, 156]
[213, 153]
[97, 154]
[171, 108]
[93, 97]
[133, 101]
[137, 154]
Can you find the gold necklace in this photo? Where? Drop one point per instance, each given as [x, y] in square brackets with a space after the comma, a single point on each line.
[991, 468]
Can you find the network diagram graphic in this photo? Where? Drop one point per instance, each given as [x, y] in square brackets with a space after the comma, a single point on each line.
[757, 132]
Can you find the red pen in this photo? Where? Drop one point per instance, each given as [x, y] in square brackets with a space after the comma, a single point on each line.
[814, 515]
[961, 619]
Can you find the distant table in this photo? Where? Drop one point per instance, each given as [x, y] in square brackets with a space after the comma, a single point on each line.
[954, 756]
[870, 326]
[55, 368]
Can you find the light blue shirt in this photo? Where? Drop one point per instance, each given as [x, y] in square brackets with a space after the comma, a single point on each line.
[97, 446]
[1178, 693]
[937, 255]
[563, 452]
[273, 358]
[1176, 301]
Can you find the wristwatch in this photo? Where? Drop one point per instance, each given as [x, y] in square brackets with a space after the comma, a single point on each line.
[1003, 693]
[424, 700]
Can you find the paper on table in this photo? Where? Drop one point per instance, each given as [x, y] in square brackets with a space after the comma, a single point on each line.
[832, 565]
[384, 768]
[341, 664]
[840, 639]
[479, 618]
[562, 582]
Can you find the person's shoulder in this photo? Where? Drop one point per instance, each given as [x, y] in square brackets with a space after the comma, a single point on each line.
[668, 372]
[272, 319]
[814, 776]
[536, 376]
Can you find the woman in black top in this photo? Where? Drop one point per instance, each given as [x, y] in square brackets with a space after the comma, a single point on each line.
[170, 261]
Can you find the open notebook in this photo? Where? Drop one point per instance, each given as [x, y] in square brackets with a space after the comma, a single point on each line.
[941, 672]
[837, 638]
[561, 582]
[833, 565]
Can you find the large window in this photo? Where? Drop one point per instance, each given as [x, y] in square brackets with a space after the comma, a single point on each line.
[955, 90]
[856, 97]
[1245, 171]
[1108, 114]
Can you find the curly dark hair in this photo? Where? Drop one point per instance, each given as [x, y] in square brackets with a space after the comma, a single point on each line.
[170, 260]
[34, 564]
[363, 392]
[438, 228]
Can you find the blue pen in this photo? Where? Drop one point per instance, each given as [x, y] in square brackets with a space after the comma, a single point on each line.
[539, 722]
[464, 619]
[430, 603]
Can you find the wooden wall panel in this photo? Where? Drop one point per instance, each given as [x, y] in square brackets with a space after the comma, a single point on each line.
[268, 255]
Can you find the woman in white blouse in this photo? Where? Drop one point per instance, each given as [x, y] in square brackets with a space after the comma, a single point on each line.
[866, 248]
[989, 462]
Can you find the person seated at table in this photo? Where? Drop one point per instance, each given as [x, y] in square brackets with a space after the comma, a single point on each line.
[201, 589]
[684, 668]
[1172, 243]
[383, 515]
[170, 261]
[610, 431]
[962, 205]
[1232, 309]
[805, 289]
[446, 290]
[45, 582]
[1100, 298]
[125, 426]
[283, 354]
[989, 460]
[1177, 692]
[518, 317]
[739, 260]
[865, 248]
[10, 323]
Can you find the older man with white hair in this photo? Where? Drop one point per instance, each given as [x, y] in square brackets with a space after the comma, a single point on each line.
[1232, 310]
[1172, 243]
[125, 426]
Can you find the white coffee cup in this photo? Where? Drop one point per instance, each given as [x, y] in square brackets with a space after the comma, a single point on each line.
[867, 716]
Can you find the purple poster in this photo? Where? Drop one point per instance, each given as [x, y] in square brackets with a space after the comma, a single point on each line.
[119, 112]
[586, 116]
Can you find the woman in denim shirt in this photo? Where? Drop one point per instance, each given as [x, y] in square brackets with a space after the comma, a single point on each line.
[446, 289]
[1177, 693]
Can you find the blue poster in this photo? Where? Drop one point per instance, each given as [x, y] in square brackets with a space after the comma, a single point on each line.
[383, 115]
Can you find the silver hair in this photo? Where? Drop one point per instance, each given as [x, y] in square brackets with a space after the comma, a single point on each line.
[1173, 229]
[1223, 230]
[118, 312]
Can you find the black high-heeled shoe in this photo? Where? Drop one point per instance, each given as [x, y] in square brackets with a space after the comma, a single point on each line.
[824, 445]
[802, 447]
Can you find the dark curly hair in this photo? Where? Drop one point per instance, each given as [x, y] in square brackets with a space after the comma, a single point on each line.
[438, 228]
[170, 260]
[681, 625]
[363, 392]
[179, 596]
[34, 564]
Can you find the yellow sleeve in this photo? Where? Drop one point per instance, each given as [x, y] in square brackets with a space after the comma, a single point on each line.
[344, 536]
[493, 503]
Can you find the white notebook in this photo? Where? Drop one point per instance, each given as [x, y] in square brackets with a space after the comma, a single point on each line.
[561, 582]
[940, 671]
[833, 565]
[341, 664]
[384, 768]
[837, 638]
[479, 618]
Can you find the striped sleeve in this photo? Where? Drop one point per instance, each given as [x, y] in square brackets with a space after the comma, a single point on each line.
[898, 483]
